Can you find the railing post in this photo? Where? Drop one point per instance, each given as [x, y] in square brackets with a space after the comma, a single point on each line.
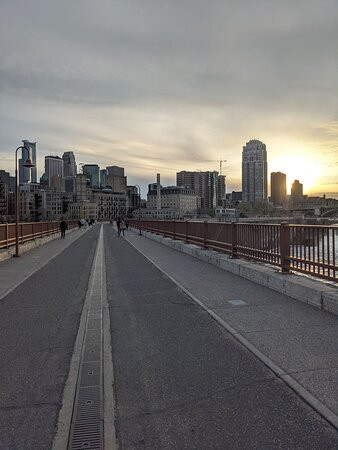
[234, 240]
[7, 244]
[285, 247]
[205, 233]
[186, 231]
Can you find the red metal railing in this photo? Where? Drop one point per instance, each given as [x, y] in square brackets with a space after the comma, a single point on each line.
[309, 249]
[29, 231]
[313, 250]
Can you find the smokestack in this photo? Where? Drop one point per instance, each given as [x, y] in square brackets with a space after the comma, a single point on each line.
[158, 188]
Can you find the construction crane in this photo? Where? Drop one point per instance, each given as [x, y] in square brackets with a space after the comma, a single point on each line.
[221, 161]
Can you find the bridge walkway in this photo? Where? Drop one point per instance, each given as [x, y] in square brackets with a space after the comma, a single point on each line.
[299, 338]
[181, 380]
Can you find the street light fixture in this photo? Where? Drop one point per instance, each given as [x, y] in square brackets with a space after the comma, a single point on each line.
[139, 208]
[28, 163]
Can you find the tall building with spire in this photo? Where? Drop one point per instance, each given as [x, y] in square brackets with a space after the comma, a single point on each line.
[254, 172]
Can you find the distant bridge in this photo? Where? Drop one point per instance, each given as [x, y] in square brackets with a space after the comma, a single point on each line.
[330, 213]
[324, 211]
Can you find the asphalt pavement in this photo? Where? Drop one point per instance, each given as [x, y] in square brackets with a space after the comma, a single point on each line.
[182, 381]
[38, 326]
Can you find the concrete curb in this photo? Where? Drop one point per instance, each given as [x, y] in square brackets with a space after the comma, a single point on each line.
[29, 245]
[306, 290]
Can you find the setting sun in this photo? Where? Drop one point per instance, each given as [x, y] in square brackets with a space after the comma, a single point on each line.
[305, 170]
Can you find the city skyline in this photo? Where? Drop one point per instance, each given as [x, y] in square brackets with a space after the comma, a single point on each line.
[170, 181]
[176, 87]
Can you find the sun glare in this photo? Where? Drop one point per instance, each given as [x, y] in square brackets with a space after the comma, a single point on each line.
[297, 168]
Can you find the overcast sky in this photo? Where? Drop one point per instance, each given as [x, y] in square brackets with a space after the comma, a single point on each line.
[167, 85]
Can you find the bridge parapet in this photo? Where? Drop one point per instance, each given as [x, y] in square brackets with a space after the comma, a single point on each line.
[309, 249]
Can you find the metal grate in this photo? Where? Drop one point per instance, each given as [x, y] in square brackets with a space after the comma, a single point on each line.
[87, 435]
[87, 421]
[90, 374]
[89, 404]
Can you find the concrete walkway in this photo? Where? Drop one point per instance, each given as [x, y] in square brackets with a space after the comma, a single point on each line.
[16, 270]
[299, 339]
[180, 379]
[39, 321]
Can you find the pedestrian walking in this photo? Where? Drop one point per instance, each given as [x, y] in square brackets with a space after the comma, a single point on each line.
[118, 224]
[122, 227]
[126, 221]
[79, 224]
[63, 228]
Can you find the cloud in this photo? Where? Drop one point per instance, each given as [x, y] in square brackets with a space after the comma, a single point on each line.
[167, 86]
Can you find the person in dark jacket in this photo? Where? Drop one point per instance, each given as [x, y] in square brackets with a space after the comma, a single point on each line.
[63, 228]
[118, 224]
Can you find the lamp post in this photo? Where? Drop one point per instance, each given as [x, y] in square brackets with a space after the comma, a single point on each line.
[139, 208]
[28, 163]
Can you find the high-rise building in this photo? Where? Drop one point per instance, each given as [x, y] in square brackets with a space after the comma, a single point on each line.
[53, 168]
[6, 178]
[116, 171]
[56, 183]
[69, 164]
[296, 190]
[24, 172]
[92, 172]
[3, 198]
[204, 184]
[133, 198]
[254, 172]
[103, 178]
[81, 188]
[116, 179]
[278, 188]
[69, 184]
[28, 174]
[221, 190]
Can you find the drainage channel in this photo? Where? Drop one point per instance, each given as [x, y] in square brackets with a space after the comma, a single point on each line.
[86, 430]
[87, 422]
